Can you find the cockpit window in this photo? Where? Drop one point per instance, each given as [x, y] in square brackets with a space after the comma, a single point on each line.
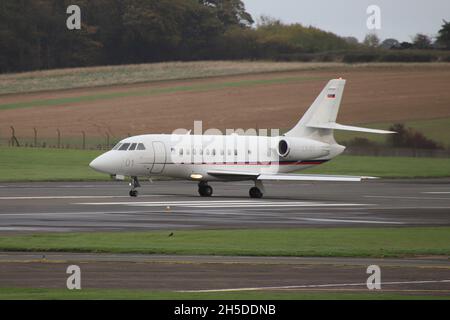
[140, 146]
[132, 147]
[124, 146]
[117, 146]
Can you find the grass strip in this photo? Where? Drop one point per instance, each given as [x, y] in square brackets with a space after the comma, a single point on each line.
[115, 294]
[314, 242]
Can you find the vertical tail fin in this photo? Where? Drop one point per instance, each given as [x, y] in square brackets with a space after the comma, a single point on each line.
[319, 121]
[324, 110]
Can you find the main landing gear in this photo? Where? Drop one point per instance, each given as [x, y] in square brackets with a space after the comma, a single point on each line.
[257, 191]
[204, 189]
[134, 184]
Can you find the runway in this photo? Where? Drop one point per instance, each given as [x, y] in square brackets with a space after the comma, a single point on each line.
[209, 274]
[170, 205]
[174, 205]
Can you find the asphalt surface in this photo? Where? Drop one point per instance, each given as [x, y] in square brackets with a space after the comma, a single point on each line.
[421, 276]
[170, 205]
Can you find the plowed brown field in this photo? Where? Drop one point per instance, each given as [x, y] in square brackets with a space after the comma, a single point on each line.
[271, 100]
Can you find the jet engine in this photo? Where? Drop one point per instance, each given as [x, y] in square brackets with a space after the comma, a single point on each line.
[302, 149]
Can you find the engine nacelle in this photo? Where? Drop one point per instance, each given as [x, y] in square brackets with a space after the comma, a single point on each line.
[302, 149]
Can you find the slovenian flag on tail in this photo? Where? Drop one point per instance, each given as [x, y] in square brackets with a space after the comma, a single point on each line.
[331, 94]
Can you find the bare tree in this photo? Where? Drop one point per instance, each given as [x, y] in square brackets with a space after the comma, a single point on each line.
[371, 40]
[422, 41]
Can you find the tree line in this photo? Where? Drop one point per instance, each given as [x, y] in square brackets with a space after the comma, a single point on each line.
[420, 41]
[33, 33]
[34, 36]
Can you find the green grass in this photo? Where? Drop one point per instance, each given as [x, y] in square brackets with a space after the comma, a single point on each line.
[385, 167]
[151, 92]
[114, 294]
[33, 164]
[37, 164]
[128, 74]
[435, 129]
[317, 242]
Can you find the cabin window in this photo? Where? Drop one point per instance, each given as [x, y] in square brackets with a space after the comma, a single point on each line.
[181, 151]
[201, 152]
[132, 147]
[124, 147]
[235, 152]
[207, 152]
[117, 146]
[188, 152]
[222, 152]
[172, 150]
[249, 151]
[229, 152]
[213, 152]
[140, 146]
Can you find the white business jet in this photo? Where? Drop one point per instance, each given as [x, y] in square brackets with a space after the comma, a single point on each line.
[204, 158]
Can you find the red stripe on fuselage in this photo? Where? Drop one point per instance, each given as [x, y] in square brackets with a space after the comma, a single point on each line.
[283, 163]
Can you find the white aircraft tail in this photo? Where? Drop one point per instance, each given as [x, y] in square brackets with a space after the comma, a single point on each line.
[319, 121]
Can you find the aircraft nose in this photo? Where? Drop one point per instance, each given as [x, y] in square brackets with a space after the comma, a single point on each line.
[99, 164]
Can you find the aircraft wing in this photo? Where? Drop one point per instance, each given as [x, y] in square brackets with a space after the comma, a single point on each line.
[285, 176]
[309, 177]
[233, 174]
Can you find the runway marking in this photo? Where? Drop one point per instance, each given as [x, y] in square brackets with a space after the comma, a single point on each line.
[225, 204]
[316, 286]
[401, 197]
[437, 192]
[351, 221]
[71, 213]
[274, 205]
[35, 228]
[404, 208]
[70, 197]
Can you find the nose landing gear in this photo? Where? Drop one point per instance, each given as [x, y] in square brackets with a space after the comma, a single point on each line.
[134, 184]
[204, 189]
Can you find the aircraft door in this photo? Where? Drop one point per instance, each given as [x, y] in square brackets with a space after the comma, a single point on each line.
[159, 150]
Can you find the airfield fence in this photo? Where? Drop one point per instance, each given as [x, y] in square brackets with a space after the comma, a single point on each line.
[107, 141]
[58, 141]
[386, 151]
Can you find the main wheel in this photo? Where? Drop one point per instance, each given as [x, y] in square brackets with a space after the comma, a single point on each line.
[133, 193]
[205, 191]
[255, 193]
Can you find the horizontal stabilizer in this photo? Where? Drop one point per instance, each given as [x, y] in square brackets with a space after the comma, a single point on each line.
[337, 126]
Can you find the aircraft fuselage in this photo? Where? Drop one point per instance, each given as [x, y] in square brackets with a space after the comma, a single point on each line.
[193, 156]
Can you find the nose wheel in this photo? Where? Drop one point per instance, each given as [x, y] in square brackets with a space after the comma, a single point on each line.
[204, 189]
[134, 184]
[133, 193]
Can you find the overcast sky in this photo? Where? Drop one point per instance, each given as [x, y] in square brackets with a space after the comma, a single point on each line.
[400, 19]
